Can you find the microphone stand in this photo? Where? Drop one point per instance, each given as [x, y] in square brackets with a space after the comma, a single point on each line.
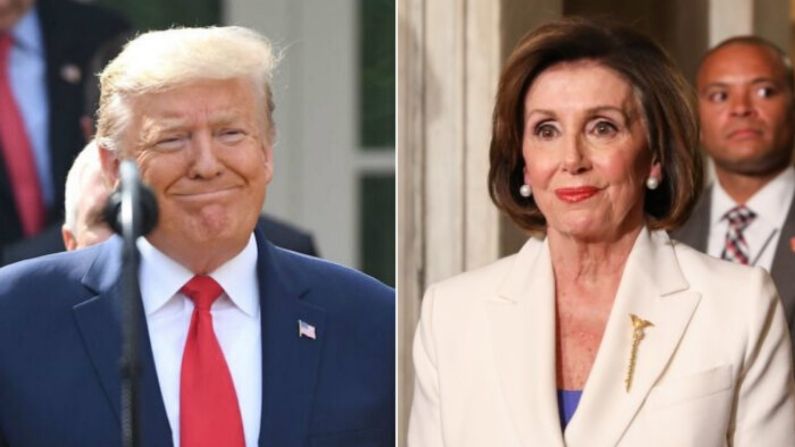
[137, 216]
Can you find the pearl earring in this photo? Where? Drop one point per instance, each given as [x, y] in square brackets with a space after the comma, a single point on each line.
[525, 190]
[652, 183]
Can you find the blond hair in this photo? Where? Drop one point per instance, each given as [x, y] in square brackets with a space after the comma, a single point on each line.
[160, 60]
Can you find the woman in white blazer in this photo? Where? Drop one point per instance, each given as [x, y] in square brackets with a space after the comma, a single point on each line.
[604, 332]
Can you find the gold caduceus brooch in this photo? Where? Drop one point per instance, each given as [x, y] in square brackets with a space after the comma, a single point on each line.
[638, 325]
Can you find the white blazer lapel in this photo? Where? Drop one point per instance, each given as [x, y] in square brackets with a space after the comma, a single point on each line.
[522, 323]
[653, 288]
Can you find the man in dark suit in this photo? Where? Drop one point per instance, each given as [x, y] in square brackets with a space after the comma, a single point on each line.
[52, 43]
[746, 104]
[242, 343]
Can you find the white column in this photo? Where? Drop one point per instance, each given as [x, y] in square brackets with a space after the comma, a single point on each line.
[729, 18]
[410, 192]
[482, 71]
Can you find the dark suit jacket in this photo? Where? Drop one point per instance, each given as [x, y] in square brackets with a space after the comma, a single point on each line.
[696, 231]
[60, 347]
[50, 240]
[288, 236]
[72, 33]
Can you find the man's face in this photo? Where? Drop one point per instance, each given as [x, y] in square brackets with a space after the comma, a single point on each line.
[202, 148]
[11, 11]
[746, 110]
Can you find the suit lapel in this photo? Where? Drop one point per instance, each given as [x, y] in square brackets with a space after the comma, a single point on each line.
[289, 362]
[696, 230]
[784, 266]
[653, 288]
[522, 323]
[99, 322]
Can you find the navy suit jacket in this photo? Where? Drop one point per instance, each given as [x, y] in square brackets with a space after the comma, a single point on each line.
[60, 349]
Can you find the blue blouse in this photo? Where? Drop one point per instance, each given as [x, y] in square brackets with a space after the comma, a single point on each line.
[567, 404]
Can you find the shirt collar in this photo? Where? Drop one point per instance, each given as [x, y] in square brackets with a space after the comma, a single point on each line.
[27, 32]
[162, 277]
[238, 277]
[766, 203]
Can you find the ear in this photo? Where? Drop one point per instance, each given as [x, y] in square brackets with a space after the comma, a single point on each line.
[69, 240]
[110, 166]
[656, 171]
[267, 150]
[526, 176]
[87, 126]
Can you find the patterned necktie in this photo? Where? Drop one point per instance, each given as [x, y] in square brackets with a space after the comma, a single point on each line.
[208, 407]
[17, 152]
[736, 248]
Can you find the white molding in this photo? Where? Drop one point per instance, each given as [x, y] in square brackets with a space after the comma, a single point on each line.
[729, 18]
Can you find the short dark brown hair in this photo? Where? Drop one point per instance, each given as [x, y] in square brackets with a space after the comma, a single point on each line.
[666, 98]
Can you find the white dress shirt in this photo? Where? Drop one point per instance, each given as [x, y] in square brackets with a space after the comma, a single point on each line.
[236, 320]
[771, 204]
[27, 71]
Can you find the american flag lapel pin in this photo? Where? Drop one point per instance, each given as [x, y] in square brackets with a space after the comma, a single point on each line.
[792, 244]
[306, 330]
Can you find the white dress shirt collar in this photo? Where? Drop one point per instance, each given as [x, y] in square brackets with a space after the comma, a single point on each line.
[27, 75]
[162, 277]
[27, 33]
[770, 203]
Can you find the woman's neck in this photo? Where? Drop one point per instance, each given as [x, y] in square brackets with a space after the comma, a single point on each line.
[589, 264]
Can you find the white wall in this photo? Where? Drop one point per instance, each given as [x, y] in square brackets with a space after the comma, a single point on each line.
[315, 90]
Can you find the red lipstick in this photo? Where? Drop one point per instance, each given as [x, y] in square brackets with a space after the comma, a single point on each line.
[576, 194]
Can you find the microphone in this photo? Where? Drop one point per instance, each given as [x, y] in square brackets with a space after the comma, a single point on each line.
[131, 210]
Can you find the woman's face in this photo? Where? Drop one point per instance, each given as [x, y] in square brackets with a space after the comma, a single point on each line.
[585, 151]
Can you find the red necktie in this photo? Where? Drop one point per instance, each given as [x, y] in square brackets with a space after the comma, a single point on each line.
[17, 152]
[208, 408]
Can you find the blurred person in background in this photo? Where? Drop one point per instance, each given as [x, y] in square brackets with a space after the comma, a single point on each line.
[86, 195]
[746, 105]
[45, 50]
[604, 332]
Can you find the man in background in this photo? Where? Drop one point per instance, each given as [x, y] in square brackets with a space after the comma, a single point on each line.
[86, 195]
[746, 108]
[45, 50]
